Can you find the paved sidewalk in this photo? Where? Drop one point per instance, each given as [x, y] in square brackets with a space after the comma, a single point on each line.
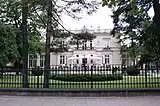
[78, 101]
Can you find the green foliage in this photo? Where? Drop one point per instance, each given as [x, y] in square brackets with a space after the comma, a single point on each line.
[145, 58]
[11, 14]
[37, 71]
[132, 24]
[133, 71]
[79, 38]
[84, 36]
[86, 77]
[115, 69]
[8, 46]
[59, 43]
[36, 43]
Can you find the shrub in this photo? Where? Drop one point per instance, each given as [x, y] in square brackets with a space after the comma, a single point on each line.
[115, 69]
[37, 71]
[86, 77]
[133, 71]
[124, 72]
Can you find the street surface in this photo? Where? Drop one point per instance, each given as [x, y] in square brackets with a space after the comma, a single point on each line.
[79, 101]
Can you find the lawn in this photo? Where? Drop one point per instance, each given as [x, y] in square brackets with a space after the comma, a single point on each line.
[37, 82]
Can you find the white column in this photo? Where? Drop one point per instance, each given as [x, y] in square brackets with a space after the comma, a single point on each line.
[66, 59]
[110, 58]
[38, 60]
[102, 59]
[56, 59]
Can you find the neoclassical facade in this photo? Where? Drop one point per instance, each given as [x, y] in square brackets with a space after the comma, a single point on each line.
[104, 46]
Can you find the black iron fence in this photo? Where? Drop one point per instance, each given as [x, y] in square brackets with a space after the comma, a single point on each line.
[112, 76]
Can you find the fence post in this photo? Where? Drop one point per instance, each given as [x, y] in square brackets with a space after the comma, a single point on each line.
[145, 75]
[91, 77]
[25, 78]
[46, 78]
[38, 78]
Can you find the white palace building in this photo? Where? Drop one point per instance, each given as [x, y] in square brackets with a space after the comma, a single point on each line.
[104, 49]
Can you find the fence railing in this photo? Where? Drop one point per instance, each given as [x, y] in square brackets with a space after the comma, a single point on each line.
[83, 77]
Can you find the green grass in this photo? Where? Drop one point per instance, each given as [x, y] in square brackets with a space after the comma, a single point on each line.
[132, 82]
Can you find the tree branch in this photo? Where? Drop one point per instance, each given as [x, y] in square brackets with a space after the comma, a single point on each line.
[38, 14]
[68, 12]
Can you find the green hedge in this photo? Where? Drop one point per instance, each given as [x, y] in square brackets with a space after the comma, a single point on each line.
[86, 77]
[132, 71]
[37, 71]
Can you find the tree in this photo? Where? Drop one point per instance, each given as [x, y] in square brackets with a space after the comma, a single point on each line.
[8, 46]
[132, 21]
[18, 12]
[47, 47]
[50, 27]
[11, 15]
[15, 13]
[59, 43]
[25, 42]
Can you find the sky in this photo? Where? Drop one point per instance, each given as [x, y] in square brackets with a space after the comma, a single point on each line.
[101, 18]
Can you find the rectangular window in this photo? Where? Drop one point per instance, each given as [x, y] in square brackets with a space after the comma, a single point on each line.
[125, 60]
[32, 61]
[107, 42]
[42, 60]
[63, 43]
[77, 61]
[84, 45]
[91, 46]
[91, 61]
[62, 59]
[84, 60]
[106, 59]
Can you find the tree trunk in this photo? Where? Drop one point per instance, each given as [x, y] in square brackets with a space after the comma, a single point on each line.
[156, 20]
[17, 63]
[47, 48]
[25, 42]
[156, 7]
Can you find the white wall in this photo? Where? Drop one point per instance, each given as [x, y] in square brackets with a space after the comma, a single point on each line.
[98, 44]
[54, 59]
[99, 40]
[116, 58]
